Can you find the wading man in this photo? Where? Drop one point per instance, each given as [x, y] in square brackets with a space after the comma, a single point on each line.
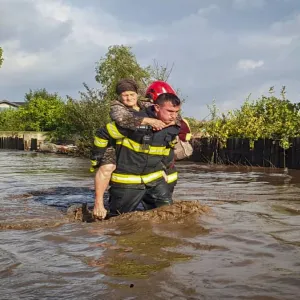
[141, 157]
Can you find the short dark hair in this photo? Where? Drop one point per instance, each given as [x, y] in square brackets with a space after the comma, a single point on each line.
[167, 97]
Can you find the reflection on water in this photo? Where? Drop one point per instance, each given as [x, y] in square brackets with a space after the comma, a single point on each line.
[248, 247]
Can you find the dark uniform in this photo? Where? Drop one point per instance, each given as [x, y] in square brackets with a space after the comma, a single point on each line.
[141, 156]
[126, 118]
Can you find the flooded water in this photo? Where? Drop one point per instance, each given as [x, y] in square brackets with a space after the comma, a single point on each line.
[246, 247]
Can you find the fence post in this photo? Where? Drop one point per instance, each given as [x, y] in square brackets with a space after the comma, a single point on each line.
[33, 145]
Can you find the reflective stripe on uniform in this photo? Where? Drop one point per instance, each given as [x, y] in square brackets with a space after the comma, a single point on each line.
[101, 143]
[113, 131]
[188, 136]
[93, 165]
[94, 162]
[136, 147]
[173, 143]
[172, 177]
[136, 179]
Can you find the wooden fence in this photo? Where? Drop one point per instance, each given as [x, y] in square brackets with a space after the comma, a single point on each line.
[266, 153]
[16, 143]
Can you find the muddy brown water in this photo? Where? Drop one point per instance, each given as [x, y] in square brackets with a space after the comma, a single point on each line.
[245, 246]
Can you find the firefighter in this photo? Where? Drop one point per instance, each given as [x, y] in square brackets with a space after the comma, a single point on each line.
[141, 156]
[183, 148]
[122, 112]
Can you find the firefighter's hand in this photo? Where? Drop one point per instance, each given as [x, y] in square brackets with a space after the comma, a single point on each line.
[156, 124]
[99, 211]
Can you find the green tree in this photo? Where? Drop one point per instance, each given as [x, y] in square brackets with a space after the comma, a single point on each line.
[84, 116]
[160, 72]
[1, 58]
[42, 111]
[119, 62]
[11, 120]
[197, 127]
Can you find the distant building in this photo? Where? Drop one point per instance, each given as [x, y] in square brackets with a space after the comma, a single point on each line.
[4, 104]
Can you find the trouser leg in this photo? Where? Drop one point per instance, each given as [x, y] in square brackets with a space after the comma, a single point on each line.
[157, 195]
[172, 186]
[123, 200]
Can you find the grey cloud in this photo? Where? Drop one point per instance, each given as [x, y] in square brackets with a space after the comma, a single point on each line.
[205, 48]
[65, 76]
[19, 20]
[205, 63]
[150, 13]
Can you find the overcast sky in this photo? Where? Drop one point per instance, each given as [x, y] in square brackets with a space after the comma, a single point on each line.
[222, 49]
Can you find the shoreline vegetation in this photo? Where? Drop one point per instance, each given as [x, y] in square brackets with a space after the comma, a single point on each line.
[73, 121]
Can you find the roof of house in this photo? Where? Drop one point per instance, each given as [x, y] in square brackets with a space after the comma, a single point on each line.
[18, 103]
[15, 104]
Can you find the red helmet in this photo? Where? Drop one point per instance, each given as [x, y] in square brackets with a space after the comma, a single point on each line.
[158, 87]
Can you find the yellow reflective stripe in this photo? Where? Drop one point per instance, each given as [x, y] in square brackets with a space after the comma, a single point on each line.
[121, 178]
[94, 162]
[136, 147]
[113, 131]
[173, 143]
[172, 177]
[152, 176]
[136, 179]
[188, 136]
[101, 143]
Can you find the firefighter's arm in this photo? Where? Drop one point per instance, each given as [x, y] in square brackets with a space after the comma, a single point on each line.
[125, 118]
[168, 161]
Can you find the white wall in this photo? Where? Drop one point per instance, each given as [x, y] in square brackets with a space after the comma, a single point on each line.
[5, 106]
